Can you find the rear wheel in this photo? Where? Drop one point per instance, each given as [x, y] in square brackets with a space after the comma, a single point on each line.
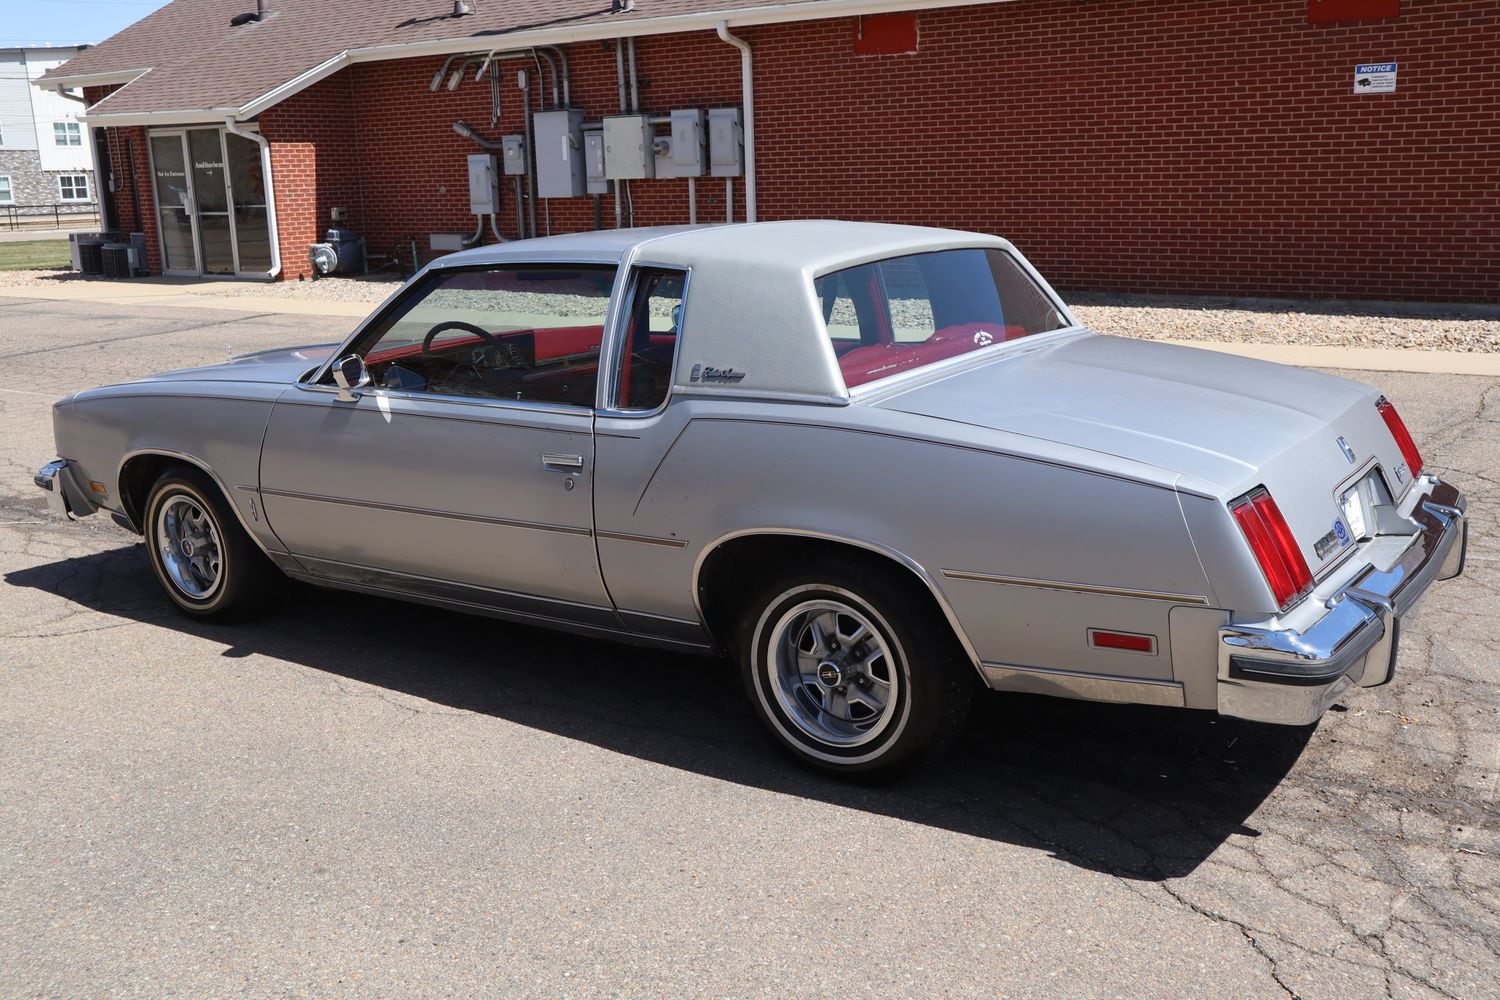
[208, 565]
[855, 673]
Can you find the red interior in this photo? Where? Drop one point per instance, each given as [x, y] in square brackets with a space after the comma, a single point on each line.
[871, 361]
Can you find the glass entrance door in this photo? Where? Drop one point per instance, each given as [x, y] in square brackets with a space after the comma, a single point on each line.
[247, 192]
[211, 184]
[174, 204]
[211, 203]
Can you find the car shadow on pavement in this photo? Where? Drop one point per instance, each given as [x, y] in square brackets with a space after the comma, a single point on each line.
[1136, 792]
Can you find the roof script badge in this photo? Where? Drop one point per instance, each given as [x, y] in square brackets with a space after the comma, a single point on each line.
[1348, 451]
[707, 373]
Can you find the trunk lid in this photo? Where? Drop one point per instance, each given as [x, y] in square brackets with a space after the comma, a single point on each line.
[1229, 421]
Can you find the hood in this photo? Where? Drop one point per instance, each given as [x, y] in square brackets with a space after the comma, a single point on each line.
[1213, 416]
[279, 366]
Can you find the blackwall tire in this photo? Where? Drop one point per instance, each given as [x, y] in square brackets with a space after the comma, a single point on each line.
[887, 686]
[204, 560]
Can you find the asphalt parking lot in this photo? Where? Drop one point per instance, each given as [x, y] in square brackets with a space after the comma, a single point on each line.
[356, 797]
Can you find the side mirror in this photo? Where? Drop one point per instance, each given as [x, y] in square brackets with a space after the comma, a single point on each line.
[351, 375]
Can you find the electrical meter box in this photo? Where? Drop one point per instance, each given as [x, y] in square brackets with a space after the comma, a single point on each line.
[513, 154]
[593, 162]
[627, 148]
[661, 153]
[726, 142]
[687, 143]
[559, 153]
[484, 184]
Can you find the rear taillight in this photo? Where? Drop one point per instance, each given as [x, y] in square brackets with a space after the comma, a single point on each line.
[1275, 549]
[1398, 430]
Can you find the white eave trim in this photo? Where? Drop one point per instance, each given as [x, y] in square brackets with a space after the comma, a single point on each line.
[80, 80]
[634, 28]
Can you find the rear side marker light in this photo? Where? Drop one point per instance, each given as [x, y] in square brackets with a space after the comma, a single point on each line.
[1132, 642]
[1397, 427]
[1281, 560]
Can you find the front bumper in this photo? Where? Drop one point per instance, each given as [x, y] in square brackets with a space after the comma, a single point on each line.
[1281, 675]
[64, 496]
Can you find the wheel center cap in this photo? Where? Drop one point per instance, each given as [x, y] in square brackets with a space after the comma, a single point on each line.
[830, 674]
[187, 546]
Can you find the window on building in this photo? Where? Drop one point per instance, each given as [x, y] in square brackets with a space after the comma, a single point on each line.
[7, 197]
[73, 187]
[67, 134]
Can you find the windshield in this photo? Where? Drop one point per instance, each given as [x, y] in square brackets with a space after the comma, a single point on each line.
[904, 313]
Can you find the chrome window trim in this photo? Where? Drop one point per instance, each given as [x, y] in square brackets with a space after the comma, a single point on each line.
[483, 402]
[614, 339]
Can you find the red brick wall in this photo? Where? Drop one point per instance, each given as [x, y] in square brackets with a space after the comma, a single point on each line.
[316, 165]
[1212, 146]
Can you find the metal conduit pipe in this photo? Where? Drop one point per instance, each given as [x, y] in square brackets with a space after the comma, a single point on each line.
[747, 87]
[620, 80]
[478, 234]
[552, 69]
[562, 57]
[525, 82]
[437, 81]
[234, 128]
[635, 87]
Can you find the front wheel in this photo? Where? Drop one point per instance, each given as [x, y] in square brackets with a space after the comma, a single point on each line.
[205, 561]
[855, 673]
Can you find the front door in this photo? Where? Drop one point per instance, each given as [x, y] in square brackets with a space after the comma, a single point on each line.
[212, 208]
[464, 470]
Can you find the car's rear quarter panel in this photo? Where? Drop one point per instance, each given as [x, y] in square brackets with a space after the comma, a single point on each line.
[952, 504]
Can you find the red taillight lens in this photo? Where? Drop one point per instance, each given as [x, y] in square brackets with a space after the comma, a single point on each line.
[1275, 549]
[1398, 430]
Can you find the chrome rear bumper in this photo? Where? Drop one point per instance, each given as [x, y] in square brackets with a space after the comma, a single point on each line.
[1285, 676]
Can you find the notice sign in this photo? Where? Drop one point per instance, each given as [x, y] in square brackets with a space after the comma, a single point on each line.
[1375, 78]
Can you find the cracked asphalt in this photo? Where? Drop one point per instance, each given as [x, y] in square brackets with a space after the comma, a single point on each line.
[356, 797]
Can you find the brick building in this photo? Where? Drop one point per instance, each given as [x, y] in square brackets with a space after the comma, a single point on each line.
[1203, 146]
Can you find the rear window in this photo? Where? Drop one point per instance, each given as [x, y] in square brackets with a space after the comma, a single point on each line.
[899, 314]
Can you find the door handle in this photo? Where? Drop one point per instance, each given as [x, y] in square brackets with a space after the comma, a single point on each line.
[562, 461]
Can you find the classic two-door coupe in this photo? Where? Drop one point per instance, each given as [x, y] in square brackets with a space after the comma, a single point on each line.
[879, 466]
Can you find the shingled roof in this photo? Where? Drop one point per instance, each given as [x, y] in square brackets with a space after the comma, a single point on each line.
[185, 62]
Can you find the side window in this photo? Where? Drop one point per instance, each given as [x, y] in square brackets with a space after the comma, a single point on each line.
[650, 338]
[527, 332]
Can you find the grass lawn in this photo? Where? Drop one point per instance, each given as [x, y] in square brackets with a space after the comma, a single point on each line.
[34, 255]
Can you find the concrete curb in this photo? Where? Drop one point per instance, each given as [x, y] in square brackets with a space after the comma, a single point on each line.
[201, 296]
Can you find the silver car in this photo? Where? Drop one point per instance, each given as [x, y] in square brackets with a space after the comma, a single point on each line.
[881, 467]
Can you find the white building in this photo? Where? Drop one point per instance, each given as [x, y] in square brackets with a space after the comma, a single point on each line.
[46, 155]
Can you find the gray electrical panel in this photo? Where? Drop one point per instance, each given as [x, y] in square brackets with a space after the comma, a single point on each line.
[627, 148]
[559, 153]
[513, 154]
[593, 162]
[661, 154]
[687, 143]
[726, 142]
[484, 184]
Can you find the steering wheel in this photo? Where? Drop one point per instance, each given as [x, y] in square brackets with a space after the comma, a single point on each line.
[457, 324]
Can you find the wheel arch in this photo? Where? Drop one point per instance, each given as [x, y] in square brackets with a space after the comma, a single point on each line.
[139, 471]
[752, 548]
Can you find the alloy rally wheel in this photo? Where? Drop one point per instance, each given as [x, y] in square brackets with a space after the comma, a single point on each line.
[853, 673]
[205, 561]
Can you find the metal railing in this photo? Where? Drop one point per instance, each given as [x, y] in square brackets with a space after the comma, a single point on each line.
[78, 215]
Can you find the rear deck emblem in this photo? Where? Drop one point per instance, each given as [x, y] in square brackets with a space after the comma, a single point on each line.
[1348, 451]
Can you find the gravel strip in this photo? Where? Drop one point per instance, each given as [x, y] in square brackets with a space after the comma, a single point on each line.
[1332, 324]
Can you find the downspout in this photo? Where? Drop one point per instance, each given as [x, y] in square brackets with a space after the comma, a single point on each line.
[234, 128]
[747, 86]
